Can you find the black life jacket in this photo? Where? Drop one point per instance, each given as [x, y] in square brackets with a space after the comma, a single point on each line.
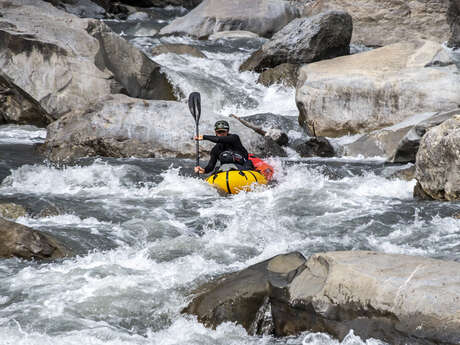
[229, 157]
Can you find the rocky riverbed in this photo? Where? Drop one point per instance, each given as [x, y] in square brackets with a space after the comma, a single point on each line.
[96, 185]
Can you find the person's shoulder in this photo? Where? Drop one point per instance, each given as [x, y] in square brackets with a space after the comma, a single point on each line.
[233, 135]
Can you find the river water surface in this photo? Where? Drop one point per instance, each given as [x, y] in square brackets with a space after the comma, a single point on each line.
[147, 232]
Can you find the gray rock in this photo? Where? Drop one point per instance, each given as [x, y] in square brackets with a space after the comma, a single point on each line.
[232, 34]
[379, 23]
[179, 49]
[17, 106]
[50, 55]
[409, 144]
[162, 3]
[407, 174]
[399, 299]
[263, 17]
[20, 241]
[285, 74]
[270, 121]
[375, 89]
[81, 8]
[304, 40]
[120, 126]
[12, 211]
[315, 147]
[438, 161]
[453, 18]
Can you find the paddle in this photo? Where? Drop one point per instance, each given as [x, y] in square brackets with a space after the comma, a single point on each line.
[194, 104]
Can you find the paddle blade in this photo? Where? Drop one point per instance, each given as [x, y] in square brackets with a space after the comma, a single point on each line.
[194, 104]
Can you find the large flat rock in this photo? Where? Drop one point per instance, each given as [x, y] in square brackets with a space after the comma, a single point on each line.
[375, 89]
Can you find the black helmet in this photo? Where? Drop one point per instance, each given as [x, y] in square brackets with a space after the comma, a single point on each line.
[221, 125]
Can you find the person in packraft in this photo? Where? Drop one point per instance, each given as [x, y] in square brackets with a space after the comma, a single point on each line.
[228, 149]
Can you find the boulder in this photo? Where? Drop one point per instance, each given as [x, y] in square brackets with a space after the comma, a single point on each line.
[375, 89]
[12, 211]
[263, 17]
[180, 49]
[81, 8]
[438, 161]
[407, 148]
[407, 174]
[285, 74]
[453, 18]
[120, 126]
[52, 56]
[304, 40]
[162, 3]
[379, 23]
[18, 107]
[398, 299]
[315, 147]
[20, 241]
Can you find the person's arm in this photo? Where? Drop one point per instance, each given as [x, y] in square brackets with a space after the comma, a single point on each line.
[228, 139]
[212, 162]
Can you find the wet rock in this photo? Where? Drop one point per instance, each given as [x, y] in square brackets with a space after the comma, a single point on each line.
[18, 107]
[12, 211]
[81, 8]
[66, 67]
[162, 3]
[272, 148]
[239, 296]
[20, 241]
[285, 74]
[179, 49]
[304, 40]
[46, 212]
[120, 126]
[315, 147]
[398, 299]
[407, 174]
[347, 95]
[379, 23]
[232, 34]
[409, 144]
[263, 17]
[273, 121]
[438, 161]
[453, 18]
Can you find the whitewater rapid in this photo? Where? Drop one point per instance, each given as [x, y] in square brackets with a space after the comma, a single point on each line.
[147, 232]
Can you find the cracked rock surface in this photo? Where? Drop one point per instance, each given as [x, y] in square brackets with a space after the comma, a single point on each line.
[399, 299]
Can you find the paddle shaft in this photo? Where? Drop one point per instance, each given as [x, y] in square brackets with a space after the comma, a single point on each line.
[197, 145]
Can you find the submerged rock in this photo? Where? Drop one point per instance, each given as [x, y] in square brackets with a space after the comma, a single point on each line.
[399, 299]
[315, 147]
[380, 23]
[263, 17]
[438, 161]
[304, 40]
[375, 89]
[285, 74]
[120, 126]
[20, 241]
[12, 211]
[232, 34]
[179, 49]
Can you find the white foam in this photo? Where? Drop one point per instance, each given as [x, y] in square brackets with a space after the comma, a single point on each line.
[26, 134]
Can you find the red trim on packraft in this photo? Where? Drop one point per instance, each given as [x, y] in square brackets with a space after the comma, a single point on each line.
[261, 166]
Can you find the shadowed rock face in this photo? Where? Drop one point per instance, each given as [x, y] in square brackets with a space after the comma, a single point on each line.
[17, 240]
[438, 161]
[396, 298]
[17, 106]
[453, 18]
[305, 40]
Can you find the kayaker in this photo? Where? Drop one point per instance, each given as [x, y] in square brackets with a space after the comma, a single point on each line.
[228, 149]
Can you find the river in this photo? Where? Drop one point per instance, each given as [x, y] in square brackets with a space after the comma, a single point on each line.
[146, 232]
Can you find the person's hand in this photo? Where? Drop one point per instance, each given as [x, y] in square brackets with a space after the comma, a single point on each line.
[199, 137]
[199, 170]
